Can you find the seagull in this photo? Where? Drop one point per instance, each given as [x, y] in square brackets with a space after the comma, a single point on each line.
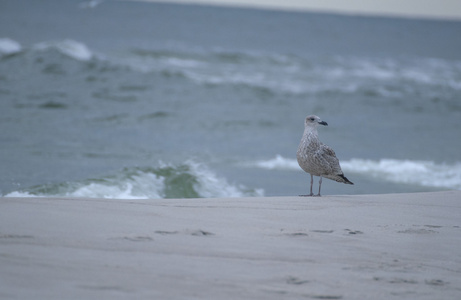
[316, 158]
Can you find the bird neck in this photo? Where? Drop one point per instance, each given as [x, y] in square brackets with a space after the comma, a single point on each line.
[310, 132]
[310, 137]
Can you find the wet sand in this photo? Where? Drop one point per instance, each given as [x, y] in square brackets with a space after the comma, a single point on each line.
[394, 246]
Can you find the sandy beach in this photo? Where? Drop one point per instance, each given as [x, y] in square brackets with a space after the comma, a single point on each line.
[393, 246]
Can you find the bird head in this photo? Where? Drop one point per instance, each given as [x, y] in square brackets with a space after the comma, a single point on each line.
[313, 120]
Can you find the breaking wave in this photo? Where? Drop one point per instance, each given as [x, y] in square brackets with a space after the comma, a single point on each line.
[187, 180]
[300, 75]
[70, 48]
[9, 47]
[269, 72]
[417, 172]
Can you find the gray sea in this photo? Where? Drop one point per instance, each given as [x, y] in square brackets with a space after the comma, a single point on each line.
[126, 99]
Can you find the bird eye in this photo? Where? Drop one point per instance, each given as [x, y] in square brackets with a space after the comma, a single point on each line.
[312, 119]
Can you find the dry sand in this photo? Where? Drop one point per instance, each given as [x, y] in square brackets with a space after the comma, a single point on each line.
[395, 246]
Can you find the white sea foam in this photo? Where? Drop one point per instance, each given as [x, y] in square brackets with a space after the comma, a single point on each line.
[90, 4]
[140, 186]
[278, 163]
[21, 194]
[9, 46]
[424, 173]
[71, 48]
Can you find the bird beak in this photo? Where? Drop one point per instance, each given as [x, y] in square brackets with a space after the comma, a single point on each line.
[323, 123]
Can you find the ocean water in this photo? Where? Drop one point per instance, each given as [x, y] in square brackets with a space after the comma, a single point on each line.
[124, 99]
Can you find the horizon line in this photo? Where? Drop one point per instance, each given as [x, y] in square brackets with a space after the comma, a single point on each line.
[305, 9]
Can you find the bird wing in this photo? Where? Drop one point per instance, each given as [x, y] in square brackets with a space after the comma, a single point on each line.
[330, 160]
[327, 151]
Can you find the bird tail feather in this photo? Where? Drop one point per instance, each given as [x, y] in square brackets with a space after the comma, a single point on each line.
[344, 179]
[339, 178]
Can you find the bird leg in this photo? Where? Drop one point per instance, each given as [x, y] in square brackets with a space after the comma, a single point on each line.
[320, 186]
[312, 183]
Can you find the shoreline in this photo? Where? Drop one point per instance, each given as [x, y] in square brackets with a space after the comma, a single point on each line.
[333, 247]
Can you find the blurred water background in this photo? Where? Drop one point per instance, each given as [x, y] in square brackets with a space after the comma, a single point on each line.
[138, 100]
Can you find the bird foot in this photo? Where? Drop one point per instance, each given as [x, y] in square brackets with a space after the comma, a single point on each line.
[310, 195]
[318, 195]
